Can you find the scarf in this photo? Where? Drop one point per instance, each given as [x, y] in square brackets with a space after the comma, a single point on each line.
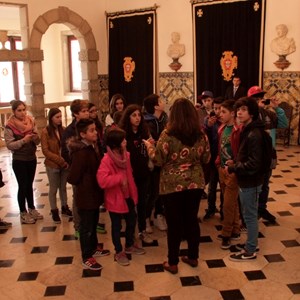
[21, 127]
[121, 162]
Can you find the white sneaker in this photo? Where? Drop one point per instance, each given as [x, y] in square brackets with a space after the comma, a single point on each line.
[35, 214]
[26, 218]
[148, 226]
[145, 237]
[160, 223]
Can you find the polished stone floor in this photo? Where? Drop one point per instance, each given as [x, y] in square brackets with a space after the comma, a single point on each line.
[43, 260]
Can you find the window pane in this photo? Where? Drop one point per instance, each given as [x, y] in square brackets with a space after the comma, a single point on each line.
[20, 72]
[76, 68]
[6, 82]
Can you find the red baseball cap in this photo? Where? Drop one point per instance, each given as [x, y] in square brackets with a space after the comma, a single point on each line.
[255, 91]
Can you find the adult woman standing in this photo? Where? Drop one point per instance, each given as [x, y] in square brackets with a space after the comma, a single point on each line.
[180, 152]
[21, 138]
[56, 166]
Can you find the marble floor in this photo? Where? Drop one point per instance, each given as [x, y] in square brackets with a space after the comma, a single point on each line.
[42, 261]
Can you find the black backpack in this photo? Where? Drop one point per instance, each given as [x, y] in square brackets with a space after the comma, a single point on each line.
[269, 153]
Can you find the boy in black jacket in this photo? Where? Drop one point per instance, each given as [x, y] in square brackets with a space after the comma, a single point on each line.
[247, 168]
[87, 194]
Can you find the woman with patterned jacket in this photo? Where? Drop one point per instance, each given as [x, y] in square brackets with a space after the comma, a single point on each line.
[181, 151]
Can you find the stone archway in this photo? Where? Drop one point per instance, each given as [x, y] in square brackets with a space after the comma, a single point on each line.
[34, 88]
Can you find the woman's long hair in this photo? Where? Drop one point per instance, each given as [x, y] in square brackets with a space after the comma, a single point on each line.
[126, 125]
[183, 122]
[50, 127]
[112, 104]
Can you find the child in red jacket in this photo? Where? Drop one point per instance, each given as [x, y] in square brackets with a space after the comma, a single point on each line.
[120, 194]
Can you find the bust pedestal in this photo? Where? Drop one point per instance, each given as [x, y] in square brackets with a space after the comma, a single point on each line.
[282, 63]
[175, 65]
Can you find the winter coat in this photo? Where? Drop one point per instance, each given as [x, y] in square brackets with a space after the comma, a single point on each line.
[83, 170]
[69, 132]
[110, 178]
[249, 158]
[52, 150]
[155, 125]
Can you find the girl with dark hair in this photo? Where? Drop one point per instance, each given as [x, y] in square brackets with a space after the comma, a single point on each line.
[93, 111]
[21, 138]
[117, 103]
[136, 129]
[56, 166]
[181, 151]
[115, 177]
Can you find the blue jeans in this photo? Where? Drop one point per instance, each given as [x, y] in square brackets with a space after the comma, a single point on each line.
[130, 219]
[57, 181]
[249, 204]
[88, 231]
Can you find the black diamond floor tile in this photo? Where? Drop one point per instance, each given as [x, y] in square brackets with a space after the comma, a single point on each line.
[160, 298]
[91, 273]
[69, 237]
[49, 229]
[286, 171]
[215, 263]
[44, 194]
[43, 249]
[280, 192]
[295, 166]
[12, 215]
[297, 179]
[260, 235]
[294, 287]
[190, 280]
[155, 268]
[272, 258]
[269, 224]
[205, 239]
[28, 276]
[277, 176]
[284, 213]
[65, 260]
[58, 290]
[232, 295]
[18, 240]
[6, 263]
[2, 231]
[290, 185]
[290, 243]
[295, 204]
[298, 229]
[270, 199]
[39, 206]
[255, 275]
[123, 286]
[153, 244]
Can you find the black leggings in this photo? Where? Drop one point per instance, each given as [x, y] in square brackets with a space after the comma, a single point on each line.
[181, 209]
[25, 171]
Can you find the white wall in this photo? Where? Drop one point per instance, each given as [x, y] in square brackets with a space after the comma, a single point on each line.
[282, 12]
[172, 16]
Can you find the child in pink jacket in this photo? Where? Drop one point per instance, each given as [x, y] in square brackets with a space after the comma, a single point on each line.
[120, 194]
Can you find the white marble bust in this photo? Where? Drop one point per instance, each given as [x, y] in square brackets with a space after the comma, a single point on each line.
[175, 50]
[282, 45]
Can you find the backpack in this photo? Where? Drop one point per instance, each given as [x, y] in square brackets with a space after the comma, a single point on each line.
[269, 152]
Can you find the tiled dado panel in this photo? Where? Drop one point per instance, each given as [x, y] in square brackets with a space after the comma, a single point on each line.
[286, 87]
[173, 85]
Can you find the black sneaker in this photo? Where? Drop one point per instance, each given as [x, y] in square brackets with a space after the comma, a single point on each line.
[241, 247]
[91, 264]
[266, 215]
[55, 216]
[234, 237]
[65, 211]
[204, 195]
[243, 256]
[225, 243]
[209, 214]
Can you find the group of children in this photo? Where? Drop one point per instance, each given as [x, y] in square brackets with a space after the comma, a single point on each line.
[112, 165]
